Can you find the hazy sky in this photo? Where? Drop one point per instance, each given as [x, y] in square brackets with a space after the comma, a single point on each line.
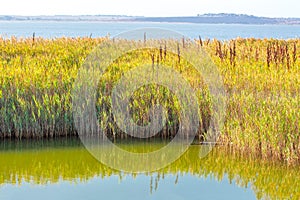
[268, 8]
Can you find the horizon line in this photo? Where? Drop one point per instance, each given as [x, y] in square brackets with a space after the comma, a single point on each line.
[124, 15]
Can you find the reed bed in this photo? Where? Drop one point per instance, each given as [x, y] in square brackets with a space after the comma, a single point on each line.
[261, 76]
[263, 82]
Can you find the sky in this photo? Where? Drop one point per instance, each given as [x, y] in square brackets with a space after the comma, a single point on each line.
[266, 8]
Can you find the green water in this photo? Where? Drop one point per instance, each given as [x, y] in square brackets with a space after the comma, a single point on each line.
[64, 169]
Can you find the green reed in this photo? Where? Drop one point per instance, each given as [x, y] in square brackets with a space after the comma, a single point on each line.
[261, 77]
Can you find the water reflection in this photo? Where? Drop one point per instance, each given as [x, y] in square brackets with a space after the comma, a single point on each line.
[64, 165]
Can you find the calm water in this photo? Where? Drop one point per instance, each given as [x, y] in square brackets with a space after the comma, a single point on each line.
[63, 169]
[98, 29]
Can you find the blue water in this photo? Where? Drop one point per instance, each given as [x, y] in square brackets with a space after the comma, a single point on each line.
[100, 29]
[188, 187]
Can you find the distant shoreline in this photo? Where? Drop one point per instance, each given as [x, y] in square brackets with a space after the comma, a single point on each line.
[200, 19]
[140, 22]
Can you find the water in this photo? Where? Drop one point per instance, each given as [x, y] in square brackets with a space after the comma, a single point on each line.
[188, 187]
[100, 29]
[63, 169]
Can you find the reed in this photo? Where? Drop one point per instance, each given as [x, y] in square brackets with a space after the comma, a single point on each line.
[261, 76]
